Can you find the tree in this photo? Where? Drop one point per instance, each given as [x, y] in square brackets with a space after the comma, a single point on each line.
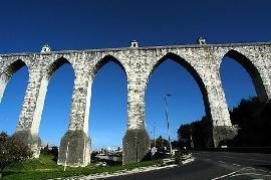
[252, 117]
[160, 142]
[45, 150]
[53, 151]
[184, 134]
[11, 150]
[202, 133]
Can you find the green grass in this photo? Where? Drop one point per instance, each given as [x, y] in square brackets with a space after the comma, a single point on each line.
[43, 162]
[46, 168]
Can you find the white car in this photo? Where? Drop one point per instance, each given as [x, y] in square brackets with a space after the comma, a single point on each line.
[103, 164]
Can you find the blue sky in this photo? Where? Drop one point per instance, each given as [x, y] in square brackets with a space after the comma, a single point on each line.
[66, 24]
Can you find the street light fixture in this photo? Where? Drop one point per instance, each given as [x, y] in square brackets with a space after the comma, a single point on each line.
[167, 120]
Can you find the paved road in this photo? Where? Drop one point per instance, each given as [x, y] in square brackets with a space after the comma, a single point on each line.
[213, 165]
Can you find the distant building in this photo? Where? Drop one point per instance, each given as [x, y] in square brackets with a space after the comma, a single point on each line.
[49, 146]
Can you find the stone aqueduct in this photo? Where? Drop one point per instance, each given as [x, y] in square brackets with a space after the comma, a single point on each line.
[202, 61]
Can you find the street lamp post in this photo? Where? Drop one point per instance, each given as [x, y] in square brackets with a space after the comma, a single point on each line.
[167, 120]
[154, 136]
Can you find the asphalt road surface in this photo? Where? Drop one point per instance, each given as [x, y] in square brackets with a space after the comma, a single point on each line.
[213, 165]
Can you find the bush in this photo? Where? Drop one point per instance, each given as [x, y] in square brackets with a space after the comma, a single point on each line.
[53, 151]
[11, 150]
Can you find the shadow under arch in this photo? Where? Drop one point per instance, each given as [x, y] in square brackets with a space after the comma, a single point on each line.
[15, 66]
[55, 66]
[182, 62]
[106, 59]
[252, 71]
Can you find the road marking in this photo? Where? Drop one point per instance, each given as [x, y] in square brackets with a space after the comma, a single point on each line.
[238, 173]
[246, 159]
[220, 177]
[232, 173]
[222, 162]
[255, 174]
[236, 164]
[264, 171]
[248, 168]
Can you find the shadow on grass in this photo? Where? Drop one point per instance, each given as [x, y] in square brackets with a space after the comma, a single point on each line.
[8, 173]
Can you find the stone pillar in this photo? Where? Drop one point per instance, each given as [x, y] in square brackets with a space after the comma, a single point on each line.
[222, 128]
[4, 78]
[267, 69]
[29, 119]
[75, 146]
[136, 142]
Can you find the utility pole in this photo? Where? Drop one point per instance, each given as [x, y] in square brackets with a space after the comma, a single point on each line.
[191, 139]
[154, 143]
[167, 120]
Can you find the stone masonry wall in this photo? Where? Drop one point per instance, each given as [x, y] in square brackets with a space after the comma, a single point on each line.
[202, 61]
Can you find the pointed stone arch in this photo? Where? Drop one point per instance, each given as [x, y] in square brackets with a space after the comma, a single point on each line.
[14, 67]
[191, 70]
[252, 70]
[39, 85]
[106, 59]
[79, 116]
[53, 67]
[8, 72]
[99, 65]
[96, 68]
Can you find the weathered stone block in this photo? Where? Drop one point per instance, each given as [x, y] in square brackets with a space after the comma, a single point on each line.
[136, 144]
[74, 149]
[31, 140]
[223, 133]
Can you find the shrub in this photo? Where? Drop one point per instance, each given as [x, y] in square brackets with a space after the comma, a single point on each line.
[11, 150]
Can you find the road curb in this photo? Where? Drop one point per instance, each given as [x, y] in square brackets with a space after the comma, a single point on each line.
[134, 171]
